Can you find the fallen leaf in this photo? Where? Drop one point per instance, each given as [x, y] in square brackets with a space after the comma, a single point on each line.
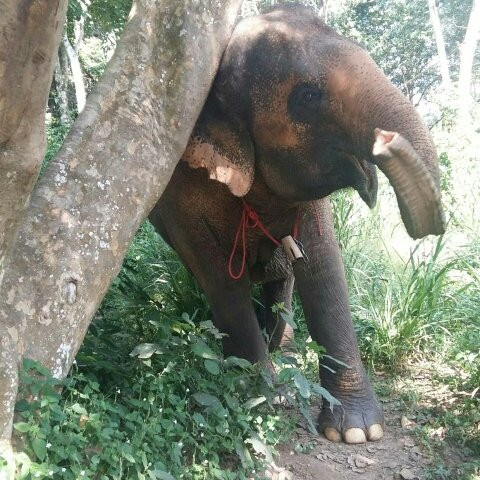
[358, 470]
[406, 422]
[439, 432]
[362, 462]
[407, 474]
[408, 442]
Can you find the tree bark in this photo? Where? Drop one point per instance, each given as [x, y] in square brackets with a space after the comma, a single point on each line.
[467, 55]
[107, 176]
[29, 37]
[442, 53]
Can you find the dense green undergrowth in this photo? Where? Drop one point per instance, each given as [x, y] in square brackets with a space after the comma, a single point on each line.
[150, 396]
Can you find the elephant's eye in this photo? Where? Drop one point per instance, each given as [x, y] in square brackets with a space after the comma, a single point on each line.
[309, 97]
[305, 103]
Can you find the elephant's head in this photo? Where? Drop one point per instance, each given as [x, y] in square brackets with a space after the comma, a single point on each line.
[310, 112]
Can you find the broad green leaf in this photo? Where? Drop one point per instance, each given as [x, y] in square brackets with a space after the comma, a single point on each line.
[205, 399]
[260, 447]
[212, 366]
[243, 453]
[144, 350]
[319, 390]
[40, 448]
[199, 419]
[77, 408]
[302, 384]
[316, 348]
[129, 457]
[288, 318]
[22, 427]
[286, 374]
[237, 362]
[253, 402]
[22, 405]
[308, 417]
[161, 475]
[201, 349]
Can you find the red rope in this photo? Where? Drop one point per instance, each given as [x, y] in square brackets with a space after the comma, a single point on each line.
[250, 219]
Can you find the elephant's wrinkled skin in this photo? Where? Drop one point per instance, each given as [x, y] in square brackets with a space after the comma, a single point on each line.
[295, 113]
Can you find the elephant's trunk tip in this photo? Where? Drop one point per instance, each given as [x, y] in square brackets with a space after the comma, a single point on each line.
[417, 192]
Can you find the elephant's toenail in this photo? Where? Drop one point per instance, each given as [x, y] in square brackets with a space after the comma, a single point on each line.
[375, 432]
[355, 435]
[332, 434]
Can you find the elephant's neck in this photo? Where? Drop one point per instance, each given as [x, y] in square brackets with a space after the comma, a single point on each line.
[276, 212]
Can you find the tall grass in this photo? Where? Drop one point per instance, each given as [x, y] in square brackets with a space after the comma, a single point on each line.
[402, 308]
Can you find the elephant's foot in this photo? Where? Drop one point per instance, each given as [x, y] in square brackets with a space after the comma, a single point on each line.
[358, 419]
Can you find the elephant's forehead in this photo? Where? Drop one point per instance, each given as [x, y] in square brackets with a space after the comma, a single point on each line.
[272, 51]
[252, 28]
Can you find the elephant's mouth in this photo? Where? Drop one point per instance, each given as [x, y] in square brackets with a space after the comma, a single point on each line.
[364, 178]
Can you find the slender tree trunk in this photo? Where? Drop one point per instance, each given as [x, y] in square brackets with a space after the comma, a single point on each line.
[324, 12]
[30, 33]
[442, 53]
[111, 170]
[77, 75]
[467, 55]
[61, 84]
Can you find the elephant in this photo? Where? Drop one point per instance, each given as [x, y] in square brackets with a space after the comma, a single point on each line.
[296, 112]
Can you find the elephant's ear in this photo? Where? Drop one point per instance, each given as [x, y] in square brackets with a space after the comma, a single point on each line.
[222, 145]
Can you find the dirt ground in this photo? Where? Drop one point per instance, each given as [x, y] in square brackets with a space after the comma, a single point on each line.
[398, 456]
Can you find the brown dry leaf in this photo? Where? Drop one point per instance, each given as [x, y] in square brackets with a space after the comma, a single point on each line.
[408, 442]
[406, 422]
[439, 432]
[358, 470]
[362, 462]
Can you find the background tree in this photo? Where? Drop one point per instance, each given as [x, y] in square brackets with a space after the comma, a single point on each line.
[441, 51]
[467, 57]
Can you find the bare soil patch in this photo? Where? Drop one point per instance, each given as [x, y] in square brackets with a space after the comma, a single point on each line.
[400, 455]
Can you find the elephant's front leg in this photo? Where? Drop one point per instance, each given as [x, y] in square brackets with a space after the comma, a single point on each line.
[323, 291]
[234, 315]
[278, 292]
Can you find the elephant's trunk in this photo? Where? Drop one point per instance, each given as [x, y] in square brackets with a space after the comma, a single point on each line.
[394, 137]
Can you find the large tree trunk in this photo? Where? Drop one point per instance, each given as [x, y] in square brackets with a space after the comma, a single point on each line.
[442, 53]
[111, 170]
[467, 55]
[29, 36]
